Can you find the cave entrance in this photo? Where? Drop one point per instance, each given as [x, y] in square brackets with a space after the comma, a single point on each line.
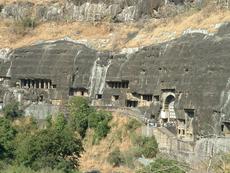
[225, 128]
[169, 107]
[131, 103]
[168, 112]
[169, 103]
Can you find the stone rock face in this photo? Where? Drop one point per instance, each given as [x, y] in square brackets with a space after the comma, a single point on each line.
[121, 10]
[193, 68]
[208, 147]
[17, 11]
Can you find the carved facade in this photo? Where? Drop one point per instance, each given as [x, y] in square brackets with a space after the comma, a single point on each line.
[178, 84]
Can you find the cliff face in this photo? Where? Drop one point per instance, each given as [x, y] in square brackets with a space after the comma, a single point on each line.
[195, 65]
[195, 68]
[121, 10]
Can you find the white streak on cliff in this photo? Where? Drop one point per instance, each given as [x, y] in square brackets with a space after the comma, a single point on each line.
[98, 77]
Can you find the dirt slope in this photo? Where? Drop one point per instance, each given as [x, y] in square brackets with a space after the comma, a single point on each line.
[107, 36]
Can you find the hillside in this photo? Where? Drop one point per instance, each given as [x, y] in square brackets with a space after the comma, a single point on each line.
[96, 156]
[115, 36]
[114, 86]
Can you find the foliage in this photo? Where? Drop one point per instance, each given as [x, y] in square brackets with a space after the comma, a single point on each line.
[11, 110]
[100, 122]
[101, 131]
[49, 121]
[129, 158]
[60, 122]
[97, 117]
[132, 125]
[23, 169]
[30, 149]
[50, 148]
[22, 27]
[116, 158]
[79, 113]
[82, 117]
[29, 23]
[146, 146]
[7, 135]
[219, 163]
[161, 165]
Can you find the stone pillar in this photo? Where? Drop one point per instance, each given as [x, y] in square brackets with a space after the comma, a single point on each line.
[31, 83]
[45, 85]
[48, 84]
[27, 84]
[36, 83]
[39, 84]
[21, 84]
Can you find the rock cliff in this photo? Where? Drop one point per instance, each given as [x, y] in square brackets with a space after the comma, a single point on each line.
[194, 67]
[97, 10]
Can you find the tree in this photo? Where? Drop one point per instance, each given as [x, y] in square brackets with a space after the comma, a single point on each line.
[82, 117]
[60, 122]
[52, 148]
[7, 135]
[79, 112]
[96, 117]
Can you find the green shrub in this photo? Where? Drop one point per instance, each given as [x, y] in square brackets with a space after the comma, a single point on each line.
[60, 122]
[23, 169]
[146, 146]
[132, 125]
[129, 159]
[22, 27]
[12, 111]
[98, 116]
[82, 117]
[101, 131]
[79, 114]
[28, 23]
[7, 135]
[162, 165]
[18, 169]
[116, 158]
[50, 148]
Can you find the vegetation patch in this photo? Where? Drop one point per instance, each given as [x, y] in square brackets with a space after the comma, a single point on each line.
[82, 117]
[132, 125]
[22, 27]
[163, 165]
[24, 147]
[116, 158]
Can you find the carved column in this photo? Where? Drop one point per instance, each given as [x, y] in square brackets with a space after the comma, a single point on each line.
[21, 84]
[45, 85]
[39, 84]
[27, 84]
[31, 83]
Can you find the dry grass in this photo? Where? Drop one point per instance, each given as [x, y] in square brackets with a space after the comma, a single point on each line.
[95, 156]
[107, 36]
